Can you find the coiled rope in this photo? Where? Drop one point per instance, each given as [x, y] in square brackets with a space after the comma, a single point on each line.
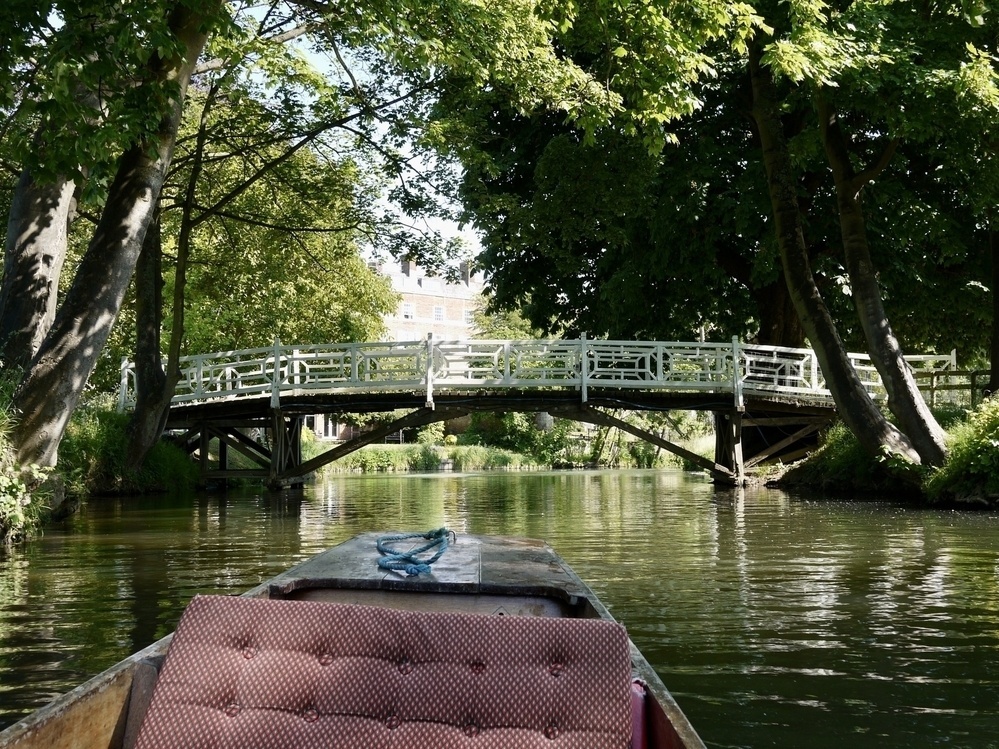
[410, 561]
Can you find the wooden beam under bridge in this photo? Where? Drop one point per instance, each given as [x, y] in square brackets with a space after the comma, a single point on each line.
[418, 418]
[808, 429]
[590, 415]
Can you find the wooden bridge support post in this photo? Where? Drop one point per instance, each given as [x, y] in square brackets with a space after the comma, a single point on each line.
[286, 447]
[728, 443]
[597, 417]
[205, 439]
[223, 455]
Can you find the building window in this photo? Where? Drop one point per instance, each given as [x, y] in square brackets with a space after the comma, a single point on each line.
[469, 317]
[438, 314]
[407, 311]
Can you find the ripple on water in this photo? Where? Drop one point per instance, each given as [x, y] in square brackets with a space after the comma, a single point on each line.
[774, 621]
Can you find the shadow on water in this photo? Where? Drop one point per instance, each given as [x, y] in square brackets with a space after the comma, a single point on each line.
[775, 621]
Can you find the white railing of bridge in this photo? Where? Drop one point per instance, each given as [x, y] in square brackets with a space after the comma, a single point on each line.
[441, 366]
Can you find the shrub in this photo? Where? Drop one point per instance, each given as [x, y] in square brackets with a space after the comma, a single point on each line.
[381, 458]
[643, 454]
[92, 457]
[24, 491]
[431, 434]
[23, 498]
[424, 458]
[972, 467]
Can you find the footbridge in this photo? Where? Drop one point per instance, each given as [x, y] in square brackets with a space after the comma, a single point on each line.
[766, 399]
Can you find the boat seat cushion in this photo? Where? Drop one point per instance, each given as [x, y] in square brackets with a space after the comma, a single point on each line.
[247, 673]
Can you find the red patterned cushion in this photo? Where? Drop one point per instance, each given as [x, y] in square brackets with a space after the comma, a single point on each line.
[247, 673]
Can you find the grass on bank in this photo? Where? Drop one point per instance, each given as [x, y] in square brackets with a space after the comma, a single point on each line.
[91, 461]
[92, 458]
[970, 474]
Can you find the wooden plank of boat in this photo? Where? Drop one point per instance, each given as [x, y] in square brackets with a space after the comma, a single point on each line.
[477, 574]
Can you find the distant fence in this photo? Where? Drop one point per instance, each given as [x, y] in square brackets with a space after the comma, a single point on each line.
[959, 388]
[434, 366]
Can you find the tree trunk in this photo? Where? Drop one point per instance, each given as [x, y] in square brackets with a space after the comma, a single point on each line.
[33, 257]
[779, 323]
[154, 387]
[152, 395]
[994, 342]
[904, 398]
[51, 388]
[874, 432]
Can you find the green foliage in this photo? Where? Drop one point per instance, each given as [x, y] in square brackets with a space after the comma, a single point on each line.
[480, 458]
[598, 232]
[519, 433]
[24, 495]
[22, 504]
[427, 458]
[971, 472]
[841, 466]
[424, 459]
[506, 325]
[78, 88]
[646, 455]
[311, 445]
[469, 457]
[374, 459]
[92, 457]
[431, 434]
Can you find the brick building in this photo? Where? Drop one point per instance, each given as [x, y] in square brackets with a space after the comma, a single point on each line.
[427, 305]
[431, 305]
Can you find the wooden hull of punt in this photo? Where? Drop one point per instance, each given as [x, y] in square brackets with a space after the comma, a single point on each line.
[477, 574]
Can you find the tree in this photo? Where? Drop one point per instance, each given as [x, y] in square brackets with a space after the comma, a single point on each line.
[812, 67]
[126, 69]
[851, 62]
[855, 407]
[606, 238]
[59, 369]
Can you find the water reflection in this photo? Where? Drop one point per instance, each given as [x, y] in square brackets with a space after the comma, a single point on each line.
[775, 621]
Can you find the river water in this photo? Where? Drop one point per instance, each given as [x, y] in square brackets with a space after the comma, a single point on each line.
[775, 621]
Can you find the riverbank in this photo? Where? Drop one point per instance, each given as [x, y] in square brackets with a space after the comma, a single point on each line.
[92, 462]
[968, 478]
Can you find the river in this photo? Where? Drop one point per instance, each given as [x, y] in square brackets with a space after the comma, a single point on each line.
[775, 621]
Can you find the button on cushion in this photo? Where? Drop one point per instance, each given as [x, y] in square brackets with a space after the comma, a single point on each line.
[325, 674]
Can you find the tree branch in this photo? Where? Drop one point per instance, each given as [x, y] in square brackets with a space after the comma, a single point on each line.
[219, 63]
[834, 141]
[280, 227]
[872, 172]
[306, 138]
